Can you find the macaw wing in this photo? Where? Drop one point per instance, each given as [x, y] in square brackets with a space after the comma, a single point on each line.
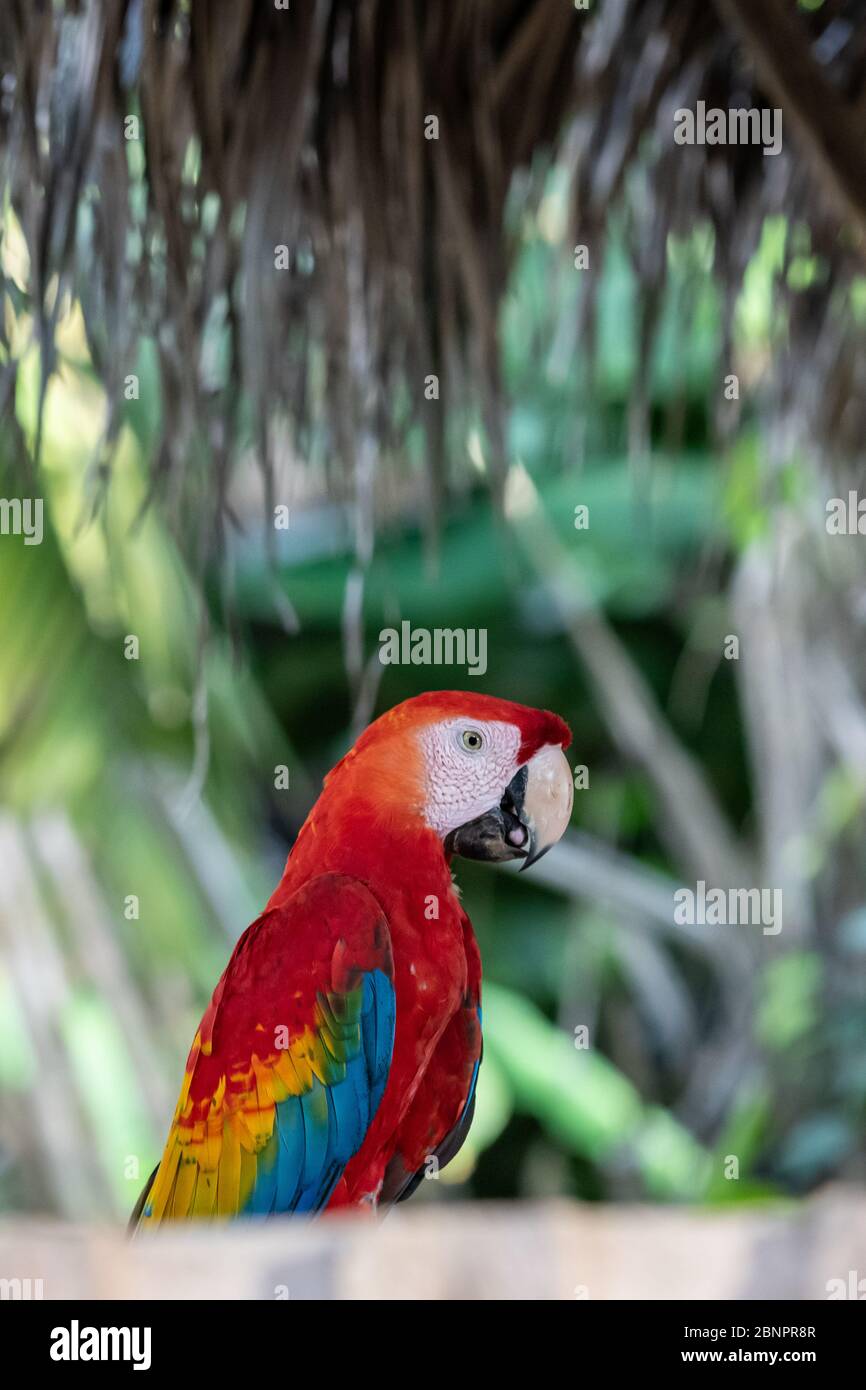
[459, 1047]
[289, 1064]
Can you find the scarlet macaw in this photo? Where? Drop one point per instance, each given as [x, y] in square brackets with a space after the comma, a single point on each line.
[341, 1047]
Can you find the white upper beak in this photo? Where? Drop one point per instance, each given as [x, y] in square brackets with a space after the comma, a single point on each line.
[548, 801]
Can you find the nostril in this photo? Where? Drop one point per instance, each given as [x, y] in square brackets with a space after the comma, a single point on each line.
[517, 835]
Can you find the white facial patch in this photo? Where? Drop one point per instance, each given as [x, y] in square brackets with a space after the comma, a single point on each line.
[465, 779]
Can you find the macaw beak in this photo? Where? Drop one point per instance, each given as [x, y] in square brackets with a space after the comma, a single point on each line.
[530, 818]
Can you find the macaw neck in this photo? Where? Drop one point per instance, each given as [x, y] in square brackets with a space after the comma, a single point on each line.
[388, 847]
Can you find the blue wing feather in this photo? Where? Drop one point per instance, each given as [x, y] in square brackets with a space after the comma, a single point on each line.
[317, 1133]
[254, 1132]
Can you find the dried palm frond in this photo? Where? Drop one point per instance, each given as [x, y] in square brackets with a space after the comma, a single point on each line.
[157, 153]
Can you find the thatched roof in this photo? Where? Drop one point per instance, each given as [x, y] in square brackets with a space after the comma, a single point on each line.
[259, 127]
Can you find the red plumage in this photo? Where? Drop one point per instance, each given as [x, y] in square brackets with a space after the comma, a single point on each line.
[367, 823]
[355, 898]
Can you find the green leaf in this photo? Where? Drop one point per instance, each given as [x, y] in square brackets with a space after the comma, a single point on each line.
[583, 1101]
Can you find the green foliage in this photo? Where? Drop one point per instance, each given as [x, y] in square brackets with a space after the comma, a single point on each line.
[583, 1102]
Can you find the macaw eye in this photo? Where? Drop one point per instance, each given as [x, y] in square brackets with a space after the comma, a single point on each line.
[472, 740]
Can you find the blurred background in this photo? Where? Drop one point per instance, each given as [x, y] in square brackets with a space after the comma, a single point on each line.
[319, 319]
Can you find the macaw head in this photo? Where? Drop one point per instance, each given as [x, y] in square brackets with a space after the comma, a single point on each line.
[488, 776]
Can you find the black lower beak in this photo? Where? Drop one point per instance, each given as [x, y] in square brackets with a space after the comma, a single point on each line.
[484, 838]
[499, 834]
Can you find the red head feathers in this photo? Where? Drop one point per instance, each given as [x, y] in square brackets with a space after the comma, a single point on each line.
[537, 727]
